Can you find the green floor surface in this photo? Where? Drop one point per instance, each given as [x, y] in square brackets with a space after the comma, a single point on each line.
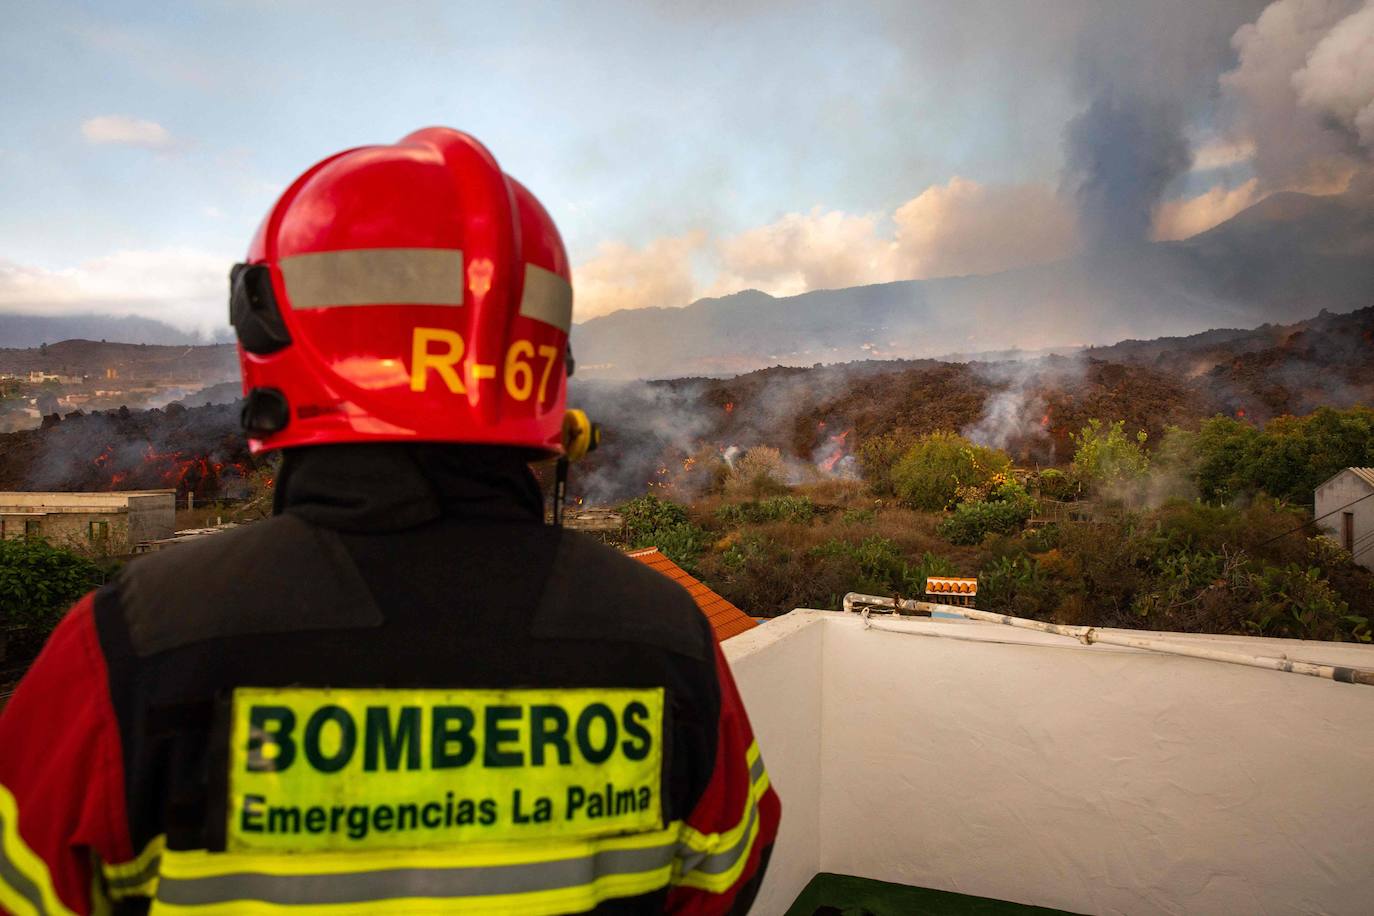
[843, 895]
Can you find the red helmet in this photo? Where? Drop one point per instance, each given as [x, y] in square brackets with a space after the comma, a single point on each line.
[412, 292]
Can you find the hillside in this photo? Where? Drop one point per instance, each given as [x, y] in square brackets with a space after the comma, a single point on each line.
[1287, 256]
[656, 433]
[1029, 408]
[23, 330]
[152, 362]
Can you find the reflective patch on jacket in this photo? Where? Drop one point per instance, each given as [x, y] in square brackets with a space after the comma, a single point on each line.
[345, 769]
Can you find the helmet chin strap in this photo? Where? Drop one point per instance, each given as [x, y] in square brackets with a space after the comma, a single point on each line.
[580, 436]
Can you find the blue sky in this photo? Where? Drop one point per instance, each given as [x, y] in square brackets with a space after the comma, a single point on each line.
[736, 140]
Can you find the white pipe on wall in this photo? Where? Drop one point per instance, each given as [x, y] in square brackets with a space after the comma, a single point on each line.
[1091, 635]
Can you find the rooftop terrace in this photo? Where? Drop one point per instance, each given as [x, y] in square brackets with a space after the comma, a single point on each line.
[1019, 766]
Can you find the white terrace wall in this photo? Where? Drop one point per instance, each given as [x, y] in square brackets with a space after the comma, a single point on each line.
[1024, 767]
[777, 668]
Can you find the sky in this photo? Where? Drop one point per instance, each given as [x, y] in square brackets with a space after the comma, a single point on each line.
[684, 149]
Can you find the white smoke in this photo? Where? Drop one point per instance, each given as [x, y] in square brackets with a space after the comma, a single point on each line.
[1016, 413]
[1297, 106]
[1339, 77]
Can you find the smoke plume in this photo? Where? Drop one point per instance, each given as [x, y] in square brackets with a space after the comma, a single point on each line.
[1302, 89]
[1121, 155]
[1016, 414]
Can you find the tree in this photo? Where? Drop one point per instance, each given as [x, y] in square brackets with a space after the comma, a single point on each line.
[1105, 458]
[878, 456]
[932, 472]
[1287, 459]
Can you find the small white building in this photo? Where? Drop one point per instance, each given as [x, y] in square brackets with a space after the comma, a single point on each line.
[1345, 515]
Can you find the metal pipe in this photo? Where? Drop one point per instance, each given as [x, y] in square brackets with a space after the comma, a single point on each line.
[1091, 635]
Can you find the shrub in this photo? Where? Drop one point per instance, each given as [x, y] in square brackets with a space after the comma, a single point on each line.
[683, 544]
[878, 455]
[1105, 458]
[930, 473]
[877, 566]
[758, 473]
[930, 565]
[1042, 539]
[1055, 484]
[38, 582]
[646, 514]
[1005, 510]
[1013, 584]
[858, 516]
[654, 522]
[796, 509]
[970, 523]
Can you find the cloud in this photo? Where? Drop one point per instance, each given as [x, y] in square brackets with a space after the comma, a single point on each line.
[1338, 79]
[1221, 154]
[183, 286]
[1179, 219]
[805, 251]
[1296, 146]
[121, 130]
[621, 276]
[964, 227]
[961, 227]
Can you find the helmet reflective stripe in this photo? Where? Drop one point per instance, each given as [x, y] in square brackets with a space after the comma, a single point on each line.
[547, 298]
[374, 276]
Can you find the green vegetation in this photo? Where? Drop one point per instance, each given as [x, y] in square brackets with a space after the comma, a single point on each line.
[797, 509]
[1106, 459]
[654, 522]
[38, 583]
[1287, 458]
[941, 469]
[1006, 509]
[1204, 532]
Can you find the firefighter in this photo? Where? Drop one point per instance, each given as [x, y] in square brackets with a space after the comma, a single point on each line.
[404, 692]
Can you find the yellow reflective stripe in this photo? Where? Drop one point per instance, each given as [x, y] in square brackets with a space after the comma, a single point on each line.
[25, 882]
[138, 876]
[100, 900]
[714, 862]
[710, 842]
[186, 864]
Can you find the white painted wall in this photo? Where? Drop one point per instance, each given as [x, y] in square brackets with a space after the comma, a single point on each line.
[1025, 767]
[777, 668]
[1332, 499]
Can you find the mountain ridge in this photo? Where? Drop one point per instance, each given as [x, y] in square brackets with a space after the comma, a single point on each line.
[1288, 255]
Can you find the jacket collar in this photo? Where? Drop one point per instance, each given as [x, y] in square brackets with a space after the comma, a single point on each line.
[392, 486]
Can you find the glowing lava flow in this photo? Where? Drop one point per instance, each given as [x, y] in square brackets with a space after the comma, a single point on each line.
[840, 449]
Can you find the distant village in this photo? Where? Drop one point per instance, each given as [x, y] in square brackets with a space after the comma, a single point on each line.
[84, 376]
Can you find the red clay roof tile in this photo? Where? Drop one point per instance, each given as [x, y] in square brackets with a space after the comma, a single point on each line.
[726, 619]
